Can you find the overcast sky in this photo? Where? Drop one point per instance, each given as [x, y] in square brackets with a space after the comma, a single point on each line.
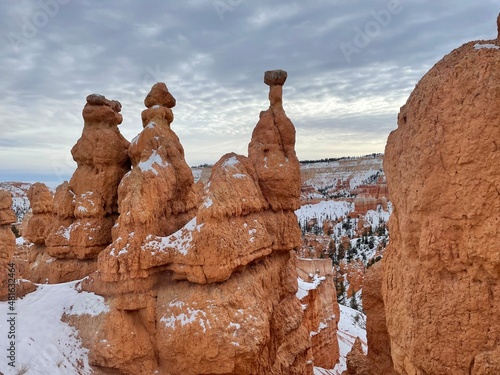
[351, 65]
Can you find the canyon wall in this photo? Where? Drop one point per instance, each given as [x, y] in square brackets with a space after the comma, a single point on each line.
[442, 267]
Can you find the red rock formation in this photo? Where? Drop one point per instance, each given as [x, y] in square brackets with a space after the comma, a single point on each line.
[442, 266]
[369, 197]
[378, 361]
[71, 228]
[39, 223]
[210, 290]
[272, 150]
[86, 208]
[7, 240]
[321, 310]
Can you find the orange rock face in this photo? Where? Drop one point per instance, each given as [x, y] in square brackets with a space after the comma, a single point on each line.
[7, 240]
[442, 266]
[156, 198]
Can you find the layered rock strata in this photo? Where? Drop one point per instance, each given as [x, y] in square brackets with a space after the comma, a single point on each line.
[378, 361]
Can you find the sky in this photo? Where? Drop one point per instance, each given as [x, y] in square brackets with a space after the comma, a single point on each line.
[351, 65]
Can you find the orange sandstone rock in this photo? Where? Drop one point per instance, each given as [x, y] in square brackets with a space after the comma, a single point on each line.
[86, 208]
[40, 222]
[442, 267]
[272, 150]
[321, 311]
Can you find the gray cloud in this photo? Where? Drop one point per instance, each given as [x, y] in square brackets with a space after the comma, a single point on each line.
[212, 55]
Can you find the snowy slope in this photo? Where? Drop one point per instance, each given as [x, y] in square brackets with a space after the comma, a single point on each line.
[45, 345]
[324, 210]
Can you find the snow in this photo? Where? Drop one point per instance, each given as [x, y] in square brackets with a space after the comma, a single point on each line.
[375, 218]
[21, 241]
[305, 287]
[324, 210]
[136, 138]
[487, 46]
[187, 316]
[45, 344]
[231, 162]
[153, 159]
[66, 231]
[179, 241]
[239, 175]
[196, 175]
[207, 202]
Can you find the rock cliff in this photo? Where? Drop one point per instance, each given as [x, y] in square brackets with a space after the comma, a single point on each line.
[442, 267]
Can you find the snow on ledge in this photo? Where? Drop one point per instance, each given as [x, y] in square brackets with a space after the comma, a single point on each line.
[305, 287]
[148, 165]
[487, 46]
[180, 240]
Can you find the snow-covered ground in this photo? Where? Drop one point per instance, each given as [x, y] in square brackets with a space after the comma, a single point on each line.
[324, 210]
[44, 344]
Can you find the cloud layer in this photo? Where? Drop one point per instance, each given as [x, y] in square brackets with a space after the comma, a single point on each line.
[351, 65]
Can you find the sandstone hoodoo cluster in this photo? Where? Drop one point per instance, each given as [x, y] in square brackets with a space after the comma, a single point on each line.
[199, 279]
[185, 276]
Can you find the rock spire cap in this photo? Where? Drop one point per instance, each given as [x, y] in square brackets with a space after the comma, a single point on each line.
[159, 95]
[275, 77]
[96, 99]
